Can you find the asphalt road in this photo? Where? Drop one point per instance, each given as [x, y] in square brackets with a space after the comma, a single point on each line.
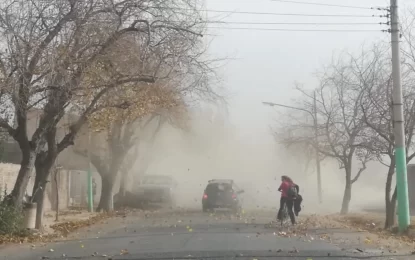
[195, 235]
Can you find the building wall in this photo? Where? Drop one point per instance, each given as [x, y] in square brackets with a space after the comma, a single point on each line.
[68, 158]
[72, 175]
[62, 182]
[8, 175]
[79, 188]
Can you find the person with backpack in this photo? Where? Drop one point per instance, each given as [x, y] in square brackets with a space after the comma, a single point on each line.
[289, 192]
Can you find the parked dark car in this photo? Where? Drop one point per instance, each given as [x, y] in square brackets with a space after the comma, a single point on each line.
[222, 194]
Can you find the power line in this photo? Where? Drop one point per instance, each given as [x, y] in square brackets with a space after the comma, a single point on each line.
[288, 23]
[290, 30]
[278, 14]
[324, 4]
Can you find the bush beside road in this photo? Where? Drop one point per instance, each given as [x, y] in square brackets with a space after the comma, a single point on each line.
[69, 221]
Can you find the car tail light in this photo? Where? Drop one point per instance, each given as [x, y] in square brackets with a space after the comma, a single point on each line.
[234, 196]
[205, 196]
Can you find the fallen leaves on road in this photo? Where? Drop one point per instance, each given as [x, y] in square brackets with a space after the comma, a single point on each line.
[27, 238]
[69, 226]
[295, 250]
[124, 252]
[60, 230]
[373, 223]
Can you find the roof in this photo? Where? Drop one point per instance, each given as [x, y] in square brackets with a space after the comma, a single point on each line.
[221, 181]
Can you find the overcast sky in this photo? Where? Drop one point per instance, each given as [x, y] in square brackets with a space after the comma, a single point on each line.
[266, 64]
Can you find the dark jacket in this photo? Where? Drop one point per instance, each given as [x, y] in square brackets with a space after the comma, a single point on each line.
[298, 200]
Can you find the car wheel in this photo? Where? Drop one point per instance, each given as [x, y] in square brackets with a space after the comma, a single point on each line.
[205, 209]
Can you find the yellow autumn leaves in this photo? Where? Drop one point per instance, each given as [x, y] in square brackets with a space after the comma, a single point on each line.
[123, 73]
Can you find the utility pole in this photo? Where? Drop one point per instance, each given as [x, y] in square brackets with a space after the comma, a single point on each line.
[398, 122]
[319, 188]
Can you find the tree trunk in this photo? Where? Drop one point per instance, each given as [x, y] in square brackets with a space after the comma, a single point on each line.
[43, 165]
[390, 201]
[56, 171]
[20, 186]
[38, 194]
[108, 177]
[40, 199]
[347, 196]
[106, 193]
[39, 189]
[391, 211]
[123, 183]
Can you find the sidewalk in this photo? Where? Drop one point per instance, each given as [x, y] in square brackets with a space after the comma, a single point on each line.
[68, 221]
[374, 223]
[370, 227]
[65, 217]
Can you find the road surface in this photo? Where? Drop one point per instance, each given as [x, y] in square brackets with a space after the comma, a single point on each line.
[195, 235]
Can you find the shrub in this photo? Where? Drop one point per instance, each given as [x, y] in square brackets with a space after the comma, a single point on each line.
[11, 218]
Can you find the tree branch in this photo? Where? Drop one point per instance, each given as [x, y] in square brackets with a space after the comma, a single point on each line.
[4, 124]
[359, 173]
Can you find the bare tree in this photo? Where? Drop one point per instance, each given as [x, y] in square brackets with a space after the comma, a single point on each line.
[125, 169]
[120, 143]
[134, 154]
[380, 141]
[55, 55]
[120, 154]
[342, 130]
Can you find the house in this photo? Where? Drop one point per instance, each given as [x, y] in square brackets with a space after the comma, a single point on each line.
[72, 178]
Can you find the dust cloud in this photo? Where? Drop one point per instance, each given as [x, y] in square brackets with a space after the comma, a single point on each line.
[213, 148]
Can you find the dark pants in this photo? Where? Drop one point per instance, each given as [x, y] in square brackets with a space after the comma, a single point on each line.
[290, 205]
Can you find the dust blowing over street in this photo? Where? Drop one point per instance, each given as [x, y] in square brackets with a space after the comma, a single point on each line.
[193, 129]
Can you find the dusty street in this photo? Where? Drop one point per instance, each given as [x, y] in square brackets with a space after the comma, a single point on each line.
[193, 235]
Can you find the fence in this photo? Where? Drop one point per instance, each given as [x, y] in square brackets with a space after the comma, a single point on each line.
[72, 186]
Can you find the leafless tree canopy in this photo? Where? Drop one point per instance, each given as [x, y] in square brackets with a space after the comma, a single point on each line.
[60, 54]
[56, 50]
[342, 109]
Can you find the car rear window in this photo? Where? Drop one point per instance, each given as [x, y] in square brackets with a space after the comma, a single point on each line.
[215, 187]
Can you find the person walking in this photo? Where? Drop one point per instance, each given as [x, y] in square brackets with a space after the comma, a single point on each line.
[289, 192]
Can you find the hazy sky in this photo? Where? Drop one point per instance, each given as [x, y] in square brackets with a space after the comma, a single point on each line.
[266, 64]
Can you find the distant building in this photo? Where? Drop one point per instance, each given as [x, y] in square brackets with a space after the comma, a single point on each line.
[68, 159]
[72, 178]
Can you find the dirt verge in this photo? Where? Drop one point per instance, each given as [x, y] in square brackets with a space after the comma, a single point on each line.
[69, 222]
[373, 223]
